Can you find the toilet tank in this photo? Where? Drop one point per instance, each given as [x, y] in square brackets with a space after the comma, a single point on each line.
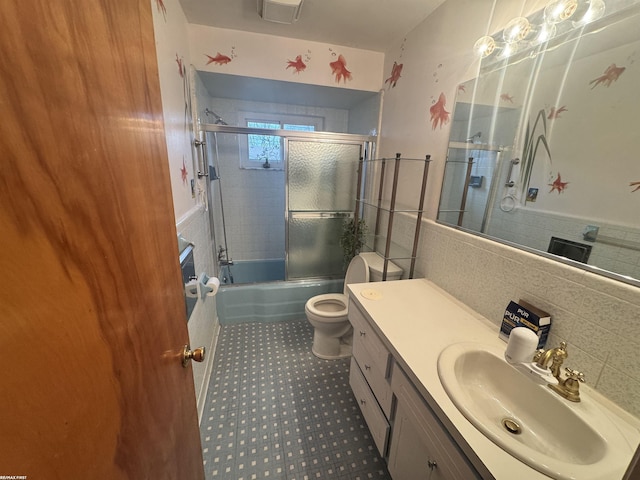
[376, 265]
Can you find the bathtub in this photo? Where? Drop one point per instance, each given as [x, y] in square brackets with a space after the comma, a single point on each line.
[253, 271]
[269, 302]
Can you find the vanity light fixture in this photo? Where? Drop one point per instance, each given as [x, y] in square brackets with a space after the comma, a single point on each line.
[484, 46]
[545, 33]
[516, 30]
[280, 11]
[594, 12]
[558, 11]
[540, 27]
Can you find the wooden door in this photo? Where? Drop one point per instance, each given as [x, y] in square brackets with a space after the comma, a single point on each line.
[92, 319]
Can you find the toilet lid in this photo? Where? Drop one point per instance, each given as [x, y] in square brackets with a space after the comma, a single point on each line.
[358, 272]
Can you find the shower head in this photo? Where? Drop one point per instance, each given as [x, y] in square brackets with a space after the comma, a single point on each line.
[218, 118]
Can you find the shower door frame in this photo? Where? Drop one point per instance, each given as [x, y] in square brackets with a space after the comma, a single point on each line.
[368, 145]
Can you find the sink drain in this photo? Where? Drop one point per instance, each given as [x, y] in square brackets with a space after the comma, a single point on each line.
[511, 426]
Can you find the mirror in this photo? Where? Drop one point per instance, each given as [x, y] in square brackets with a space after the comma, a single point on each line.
[552, 132]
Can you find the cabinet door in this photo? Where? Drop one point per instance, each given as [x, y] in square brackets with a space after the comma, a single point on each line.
[420, 447]
[412, 454]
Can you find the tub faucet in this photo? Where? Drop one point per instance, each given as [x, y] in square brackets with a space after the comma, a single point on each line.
[555, 356]
[223, 261]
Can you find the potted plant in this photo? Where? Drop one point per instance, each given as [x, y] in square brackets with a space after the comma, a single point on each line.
[352, 239]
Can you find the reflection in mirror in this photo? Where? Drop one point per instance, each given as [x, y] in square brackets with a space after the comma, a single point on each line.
[552, 134]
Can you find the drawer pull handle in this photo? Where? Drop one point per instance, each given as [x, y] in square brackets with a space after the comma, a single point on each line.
[362, 401]
[362, 334]
[432, 464]
[367, 367]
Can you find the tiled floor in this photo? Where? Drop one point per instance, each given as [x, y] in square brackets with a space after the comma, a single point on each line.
[276, 411]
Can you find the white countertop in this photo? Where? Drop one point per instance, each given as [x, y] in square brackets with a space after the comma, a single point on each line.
[418, 320]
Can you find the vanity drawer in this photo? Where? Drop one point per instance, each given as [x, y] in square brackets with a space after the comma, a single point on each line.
[375, 378]
[364, 338]
[373, 415]
[374, 360]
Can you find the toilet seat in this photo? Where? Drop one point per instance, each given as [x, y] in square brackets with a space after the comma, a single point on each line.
[338, 302]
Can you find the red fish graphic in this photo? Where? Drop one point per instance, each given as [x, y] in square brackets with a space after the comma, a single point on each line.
[635, 184]
[184, 172]
[396, 70]
[219, 59]
[339, 69]
[161, 8]
[505, 97]
[438, 114]
[611, 74]
[298, 65]
[558, 185]
[555, 112]
[180, 66]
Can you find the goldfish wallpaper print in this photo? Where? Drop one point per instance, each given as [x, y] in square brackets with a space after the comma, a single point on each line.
[219, 59]
[297, 65]
[611, 74]
[161, 8]
[554, 112]
[396, 70]
[181, 68]
[505, 97]
[439, 115]
[339, 69]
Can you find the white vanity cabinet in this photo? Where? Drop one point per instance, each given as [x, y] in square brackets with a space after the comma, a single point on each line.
[420, 446]
[369, 377]
[404, 428]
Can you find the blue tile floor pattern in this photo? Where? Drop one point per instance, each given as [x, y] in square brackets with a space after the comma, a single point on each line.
[275, 411]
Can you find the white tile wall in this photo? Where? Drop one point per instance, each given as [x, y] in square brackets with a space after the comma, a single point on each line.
[515, 226]
[203, 324]
[598, 317]
[254, 200]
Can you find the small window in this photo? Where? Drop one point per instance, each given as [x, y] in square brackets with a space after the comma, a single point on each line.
[266, 151]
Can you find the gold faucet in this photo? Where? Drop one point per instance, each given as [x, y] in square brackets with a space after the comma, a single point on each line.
[569, 387]
[554, 355]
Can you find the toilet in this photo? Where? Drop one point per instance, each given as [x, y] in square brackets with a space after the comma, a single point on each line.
[376, 266]
[333, 334]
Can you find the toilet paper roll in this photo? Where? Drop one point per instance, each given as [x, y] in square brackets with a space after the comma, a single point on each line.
[214, 284]
[522, 345]
[191, 289]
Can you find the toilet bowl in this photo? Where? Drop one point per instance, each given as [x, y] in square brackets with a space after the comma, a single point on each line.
[333, 334]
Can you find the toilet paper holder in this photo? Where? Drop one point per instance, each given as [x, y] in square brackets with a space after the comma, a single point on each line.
[203, 288]
[202, 283]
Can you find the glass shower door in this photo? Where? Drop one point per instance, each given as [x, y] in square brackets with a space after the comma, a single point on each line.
[322, 179]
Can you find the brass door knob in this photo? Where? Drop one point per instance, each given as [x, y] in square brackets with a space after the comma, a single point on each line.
[188, 354]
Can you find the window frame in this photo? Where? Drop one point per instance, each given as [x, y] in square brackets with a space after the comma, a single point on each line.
[244, 118]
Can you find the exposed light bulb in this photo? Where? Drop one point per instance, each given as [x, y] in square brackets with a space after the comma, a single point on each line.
[484, 47]
[544, 34]
[508, 50]
[595, 11]
[558, 11]
[516, 30]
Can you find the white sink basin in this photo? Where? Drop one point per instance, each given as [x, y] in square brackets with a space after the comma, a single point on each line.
[562, 439]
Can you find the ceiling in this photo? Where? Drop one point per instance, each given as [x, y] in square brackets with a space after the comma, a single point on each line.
[365, 24]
